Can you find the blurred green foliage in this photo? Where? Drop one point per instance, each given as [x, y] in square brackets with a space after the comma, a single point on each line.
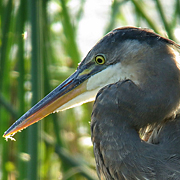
[39, 48]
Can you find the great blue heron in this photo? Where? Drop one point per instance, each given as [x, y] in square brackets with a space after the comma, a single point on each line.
[141, 71]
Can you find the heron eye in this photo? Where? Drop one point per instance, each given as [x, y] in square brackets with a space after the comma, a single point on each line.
[100, 59]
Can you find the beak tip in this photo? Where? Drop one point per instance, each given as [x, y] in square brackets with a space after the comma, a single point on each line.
[7, 135]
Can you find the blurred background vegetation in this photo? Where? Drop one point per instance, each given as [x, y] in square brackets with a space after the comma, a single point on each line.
[41, 44]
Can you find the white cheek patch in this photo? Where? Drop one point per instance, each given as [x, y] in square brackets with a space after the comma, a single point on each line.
[110, 75]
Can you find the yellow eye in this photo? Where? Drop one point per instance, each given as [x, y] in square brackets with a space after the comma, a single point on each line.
[100, 59]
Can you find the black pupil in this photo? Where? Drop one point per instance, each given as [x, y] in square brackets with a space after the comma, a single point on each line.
[99, 60]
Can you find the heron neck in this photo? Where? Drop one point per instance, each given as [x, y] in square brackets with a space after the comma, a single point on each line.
[116, 137]
[119, 147]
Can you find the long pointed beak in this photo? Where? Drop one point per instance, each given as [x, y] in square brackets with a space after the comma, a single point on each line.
[69, 89]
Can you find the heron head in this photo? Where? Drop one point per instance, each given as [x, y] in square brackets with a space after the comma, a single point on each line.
[116, 57]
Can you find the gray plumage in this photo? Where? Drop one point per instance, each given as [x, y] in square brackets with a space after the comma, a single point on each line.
[123, 109]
